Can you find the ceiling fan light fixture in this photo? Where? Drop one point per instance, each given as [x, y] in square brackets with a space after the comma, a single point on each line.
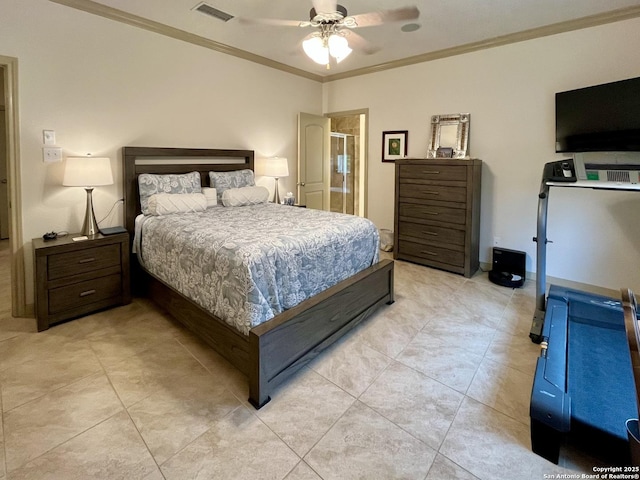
[338, 47]
[316, 50]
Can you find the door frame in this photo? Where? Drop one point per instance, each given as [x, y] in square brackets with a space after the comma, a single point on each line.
[364, 145]
[16, 244]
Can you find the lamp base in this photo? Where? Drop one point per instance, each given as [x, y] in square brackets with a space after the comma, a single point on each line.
[276, 195]
[90, 226]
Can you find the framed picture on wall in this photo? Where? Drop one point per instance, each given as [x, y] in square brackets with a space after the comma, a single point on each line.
[394, 145]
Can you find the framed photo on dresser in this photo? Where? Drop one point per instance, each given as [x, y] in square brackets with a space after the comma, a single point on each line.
[394, 145]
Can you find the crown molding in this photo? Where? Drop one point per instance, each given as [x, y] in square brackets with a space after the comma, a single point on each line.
[157, 27]
[95, 8]
[533, 33]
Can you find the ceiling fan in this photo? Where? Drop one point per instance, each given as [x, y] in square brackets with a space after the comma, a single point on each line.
[334, 29]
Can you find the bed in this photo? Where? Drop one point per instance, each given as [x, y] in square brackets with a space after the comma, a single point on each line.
[271, 351]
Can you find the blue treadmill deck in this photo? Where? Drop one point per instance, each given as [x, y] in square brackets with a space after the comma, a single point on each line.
[583, 382]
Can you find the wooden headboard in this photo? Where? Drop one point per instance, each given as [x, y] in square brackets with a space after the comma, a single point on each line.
[137, 160]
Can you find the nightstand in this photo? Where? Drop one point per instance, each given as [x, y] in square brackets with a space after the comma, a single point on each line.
[75, 278]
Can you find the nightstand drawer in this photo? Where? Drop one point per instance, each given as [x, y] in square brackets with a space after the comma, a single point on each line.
[84, 293]
[90, 259]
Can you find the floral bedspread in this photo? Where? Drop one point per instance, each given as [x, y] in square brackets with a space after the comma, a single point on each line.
[247, 264]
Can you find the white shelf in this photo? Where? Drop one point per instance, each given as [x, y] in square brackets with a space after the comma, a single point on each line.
[597, 185]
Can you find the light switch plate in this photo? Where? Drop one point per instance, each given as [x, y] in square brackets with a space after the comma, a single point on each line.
[49, 137]
[52, 154]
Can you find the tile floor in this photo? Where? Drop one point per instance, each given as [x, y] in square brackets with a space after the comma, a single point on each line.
[435, 386]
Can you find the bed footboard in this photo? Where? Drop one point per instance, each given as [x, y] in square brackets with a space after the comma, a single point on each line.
[278, 348]
[286, 343]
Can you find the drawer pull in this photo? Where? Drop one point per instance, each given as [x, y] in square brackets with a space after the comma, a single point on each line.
[87, 260]
[432, 213]
[432, 192]
[87, 293]
[431, 172]
[427, 252]
[433, 234]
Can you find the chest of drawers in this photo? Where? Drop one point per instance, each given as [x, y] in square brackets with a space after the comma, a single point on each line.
[437, 213]
[74, 278]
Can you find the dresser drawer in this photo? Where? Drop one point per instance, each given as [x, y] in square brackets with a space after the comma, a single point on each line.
[84, 293]
[435, 172]
[72, 263]
[432, 213]
[431, 253]
[433, 192]
[431, 234]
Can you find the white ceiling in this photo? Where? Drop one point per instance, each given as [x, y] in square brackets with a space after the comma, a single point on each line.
[444, 24]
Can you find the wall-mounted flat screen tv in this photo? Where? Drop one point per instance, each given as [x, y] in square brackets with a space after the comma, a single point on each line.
[602, 118]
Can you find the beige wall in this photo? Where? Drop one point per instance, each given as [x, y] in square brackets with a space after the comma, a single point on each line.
[102, 85]
[509, 92]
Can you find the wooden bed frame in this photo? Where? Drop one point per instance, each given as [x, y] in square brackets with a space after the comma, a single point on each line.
[279, 347]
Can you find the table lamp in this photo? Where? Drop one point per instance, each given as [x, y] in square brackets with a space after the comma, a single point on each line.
[88, 172]
[276, 167]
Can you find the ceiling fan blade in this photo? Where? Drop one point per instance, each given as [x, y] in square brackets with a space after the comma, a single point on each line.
[274, 22]
[359, 43]
[383, 16]
[325, 6]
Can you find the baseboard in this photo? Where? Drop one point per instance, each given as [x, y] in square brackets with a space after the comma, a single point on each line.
[29, 311]
[585, 287]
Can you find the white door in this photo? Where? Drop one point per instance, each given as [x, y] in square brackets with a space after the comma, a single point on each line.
[314, 150]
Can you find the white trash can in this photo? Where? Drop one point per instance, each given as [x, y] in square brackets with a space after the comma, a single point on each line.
[386, 240]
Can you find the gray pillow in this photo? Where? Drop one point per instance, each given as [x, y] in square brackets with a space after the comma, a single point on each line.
[150, 184]
[222, 181]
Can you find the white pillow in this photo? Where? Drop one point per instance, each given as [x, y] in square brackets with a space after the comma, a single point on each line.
[211, 195]
[166, 203]
[237, 197]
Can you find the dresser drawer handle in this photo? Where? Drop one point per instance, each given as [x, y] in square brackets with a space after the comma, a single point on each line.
[432, 192]
[431, 172]
[87, 293]
[427, 252]
[87, 260]
[433, 234]
[431, 213]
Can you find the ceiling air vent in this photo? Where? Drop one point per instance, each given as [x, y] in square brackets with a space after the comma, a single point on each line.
[212, 12]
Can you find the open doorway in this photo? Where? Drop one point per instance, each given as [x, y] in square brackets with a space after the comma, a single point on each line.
[11, 184]
[348, 162]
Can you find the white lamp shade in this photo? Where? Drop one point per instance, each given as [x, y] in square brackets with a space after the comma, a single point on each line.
[272, 167]
[339, 47]
[87, 172]
[316, 50]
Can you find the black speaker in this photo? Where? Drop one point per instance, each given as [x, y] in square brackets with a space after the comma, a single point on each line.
[508, 267]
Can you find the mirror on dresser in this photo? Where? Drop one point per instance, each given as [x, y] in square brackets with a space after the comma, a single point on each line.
[449, 136]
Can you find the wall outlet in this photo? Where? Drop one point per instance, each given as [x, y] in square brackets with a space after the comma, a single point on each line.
[496, 241]
[52, 154]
